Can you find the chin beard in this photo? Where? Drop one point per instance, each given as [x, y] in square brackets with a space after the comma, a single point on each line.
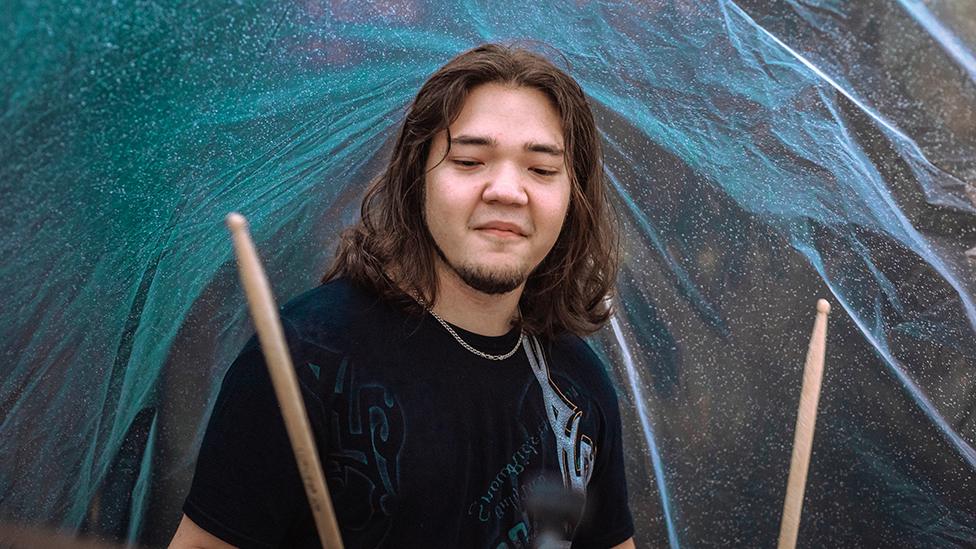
[488, 281]
[484, 280]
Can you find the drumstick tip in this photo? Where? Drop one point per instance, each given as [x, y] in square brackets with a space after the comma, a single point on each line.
[235, 221]
[823, 306]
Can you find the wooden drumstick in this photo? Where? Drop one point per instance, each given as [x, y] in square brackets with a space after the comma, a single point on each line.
[803, 437]
[264, 312]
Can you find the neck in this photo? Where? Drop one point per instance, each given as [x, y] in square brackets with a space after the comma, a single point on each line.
[477, 312]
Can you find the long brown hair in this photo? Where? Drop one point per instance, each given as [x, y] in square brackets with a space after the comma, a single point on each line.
[567, 291]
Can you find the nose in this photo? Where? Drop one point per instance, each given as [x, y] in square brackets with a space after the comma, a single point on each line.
[506, 186]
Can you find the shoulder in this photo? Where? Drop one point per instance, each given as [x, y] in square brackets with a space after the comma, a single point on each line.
[334, 298]
[322, 326]
[331, 313]
[578, 361]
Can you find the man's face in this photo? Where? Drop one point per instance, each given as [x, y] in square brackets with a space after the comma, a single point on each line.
[497, 202]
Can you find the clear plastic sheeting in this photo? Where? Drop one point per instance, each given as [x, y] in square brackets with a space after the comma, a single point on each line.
[761, 156]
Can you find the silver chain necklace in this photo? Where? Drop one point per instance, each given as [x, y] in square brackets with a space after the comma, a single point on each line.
[468, 346]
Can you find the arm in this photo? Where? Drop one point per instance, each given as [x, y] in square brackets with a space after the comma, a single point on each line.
[190, 536]
[246, 488]
[607, 521]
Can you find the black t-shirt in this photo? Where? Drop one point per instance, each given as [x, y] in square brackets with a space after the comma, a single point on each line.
[423, 443]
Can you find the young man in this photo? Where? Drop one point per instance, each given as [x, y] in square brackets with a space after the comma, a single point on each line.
[440, 361]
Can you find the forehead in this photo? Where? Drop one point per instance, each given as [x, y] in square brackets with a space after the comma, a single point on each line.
[509, 115]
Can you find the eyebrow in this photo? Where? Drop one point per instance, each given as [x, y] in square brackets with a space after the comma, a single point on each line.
[486, 141]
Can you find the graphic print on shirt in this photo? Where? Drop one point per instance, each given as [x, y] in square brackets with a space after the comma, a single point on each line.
[508, 491]
[503, 506]
[574, 450]
[363, 466]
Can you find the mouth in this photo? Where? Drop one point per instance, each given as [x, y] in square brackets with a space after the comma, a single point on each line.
[501, 229]
[501, 233]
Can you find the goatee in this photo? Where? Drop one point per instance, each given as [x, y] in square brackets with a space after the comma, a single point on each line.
[482, 279]
[487, 281]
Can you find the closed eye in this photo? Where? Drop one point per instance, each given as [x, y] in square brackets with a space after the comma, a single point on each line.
[545, 172]
[464, 163]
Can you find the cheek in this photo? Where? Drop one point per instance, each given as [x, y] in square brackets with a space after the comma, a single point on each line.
[434, 202]
[558, 211]
[440, 207]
